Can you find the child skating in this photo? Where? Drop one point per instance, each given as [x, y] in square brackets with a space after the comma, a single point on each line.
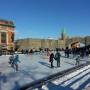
[16, 61]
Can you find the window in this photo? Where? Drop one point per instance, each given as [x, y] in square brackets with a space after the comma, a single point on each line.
[12, 37]
[3, 37]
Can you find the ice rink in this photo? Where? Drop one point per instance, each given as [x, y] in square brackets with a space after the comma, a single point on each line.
[31, 68]
[78, 80]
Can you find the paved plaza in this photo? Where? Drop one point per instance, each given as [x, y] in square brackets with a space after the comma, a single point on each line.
[31, 68]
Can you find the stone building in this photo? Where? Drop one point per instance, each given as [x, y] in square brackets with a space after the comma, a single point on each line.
[62, 42]
[40, 43]
[31, 43]
[6, 34]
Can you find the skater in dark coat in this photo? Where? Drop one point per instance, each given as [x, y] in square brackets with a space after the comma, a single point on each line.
[11, 60]
[57, 58]
[51, 59]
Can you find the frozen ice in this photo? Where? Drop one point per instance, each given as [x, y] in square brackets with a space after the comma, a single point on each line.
[32, 68]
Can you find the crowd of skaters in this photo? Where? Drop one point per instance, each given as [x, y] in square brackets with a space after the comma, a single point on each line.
[14, 58]
[84, 51]
[77, 53]
[53, 55]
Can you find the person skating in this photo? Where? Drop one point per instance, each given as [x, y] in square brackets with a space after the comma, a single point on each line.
[11, 60]
[16, 60]
[57, 57]
[51, 59]
[77, 60]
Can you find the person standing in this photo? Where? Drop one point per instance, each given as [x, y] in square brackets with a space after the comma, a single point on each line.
[51, 59]
[57, 57]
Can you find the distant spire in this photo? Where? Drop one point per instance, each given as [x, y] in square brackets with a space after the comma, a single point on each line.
[63, 30]
[63, 34]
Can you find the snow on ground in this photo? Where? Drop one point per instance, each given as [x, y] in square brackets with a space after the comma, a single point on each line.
[31, 68]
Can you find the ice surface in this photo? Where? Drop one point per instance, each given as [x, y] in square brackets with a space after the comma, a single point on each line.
[80, 81]
[31, 68]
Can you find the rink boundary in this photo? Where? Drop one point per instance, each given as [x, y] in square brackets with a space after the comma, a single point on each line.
[40, 82]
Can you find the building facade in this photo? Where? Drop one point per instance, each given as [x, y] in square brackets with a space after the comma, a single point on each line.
[62, 42]
[7, 35]
[40, 43]
[32, 43]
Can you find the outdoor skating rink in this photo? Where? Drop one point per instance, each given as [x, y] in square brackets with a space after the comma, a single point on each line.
[31, 68]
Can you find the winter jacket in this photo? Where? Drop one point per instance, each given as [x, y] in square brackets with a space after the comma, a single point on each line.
[57, 56]
[16, 59]
[51, 57]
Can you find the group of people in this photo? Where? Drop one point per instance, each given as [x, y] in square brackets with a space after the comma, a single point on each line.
[77, 51]
[14, 58]
[13, 61]
[56, 57]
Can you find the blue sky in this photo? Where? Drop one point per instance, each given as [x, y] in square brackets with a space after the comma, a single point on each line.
[47, 18]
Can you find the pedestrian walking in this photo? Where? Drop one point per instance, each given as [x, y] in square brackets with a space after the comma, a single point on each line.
[57, 57]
